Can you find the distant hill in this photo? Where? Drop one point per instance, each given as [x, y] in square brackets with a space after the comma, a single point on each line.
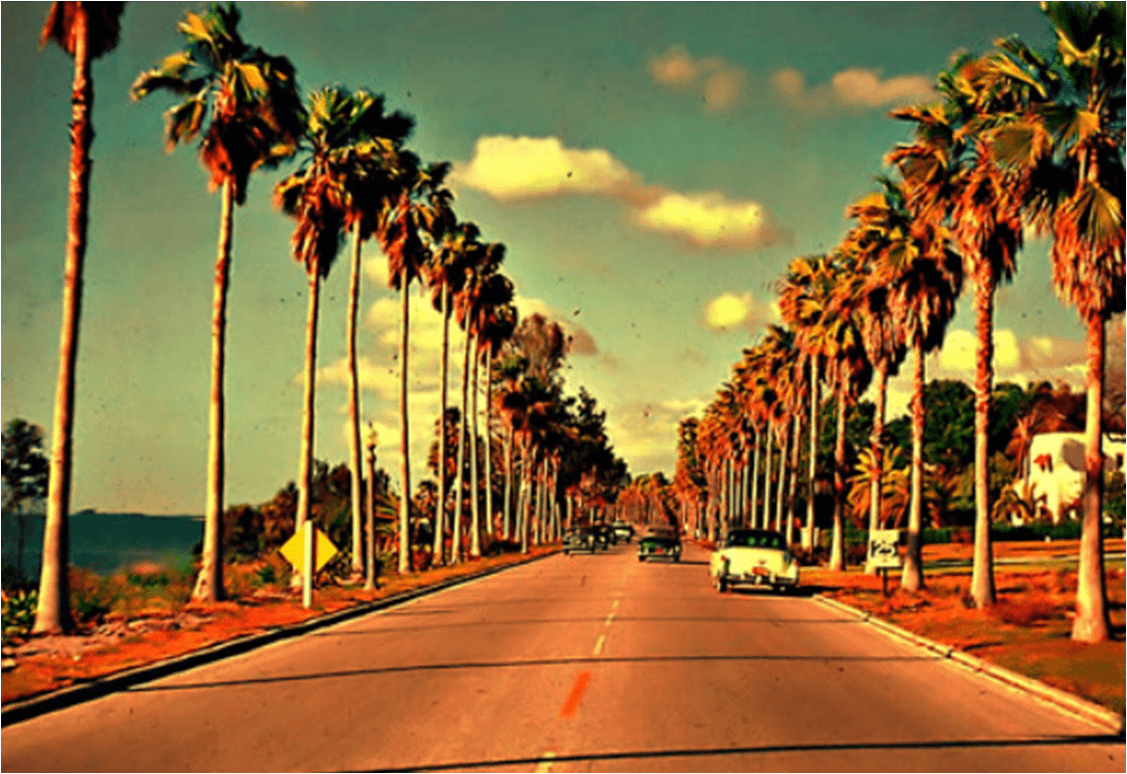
[106, 542]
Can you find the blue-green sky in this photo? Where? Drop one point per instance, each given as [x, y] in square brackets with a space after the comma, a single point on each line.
[651, 168]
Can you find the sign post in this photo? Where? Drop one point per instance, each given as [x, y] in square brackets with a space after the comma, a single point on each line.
[308, 548]
[884, 553]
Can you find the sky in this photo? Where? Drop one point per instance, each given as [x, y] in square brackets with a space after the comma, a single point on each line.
[651, 168]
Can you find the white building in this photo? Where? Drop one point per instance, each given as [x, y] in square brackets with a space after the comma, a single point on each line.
[1056, 469]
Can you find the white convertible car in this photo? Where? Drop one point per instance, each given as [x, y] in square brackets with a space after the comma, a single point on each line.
[754, 557]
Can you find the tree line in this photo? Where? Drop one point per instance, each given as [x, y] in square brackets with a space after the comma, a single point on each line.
[355, 180]
[1017, 140]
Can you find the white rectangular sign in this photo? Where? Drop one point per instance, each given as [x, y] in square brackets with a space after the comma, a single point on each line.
[883, 544]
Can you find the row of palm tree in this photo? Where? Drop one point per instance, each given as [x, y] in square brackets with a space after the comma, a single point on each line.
[355, 178]
[1017, 140]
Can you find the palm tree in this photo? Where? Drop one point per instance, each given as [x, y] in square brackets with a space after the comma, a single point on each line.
[415, 213]
[249, 102]
[496, 320]
[445, 274]
[85, 31]
[805, 301]
[367, 140]
[952, 175]
[1065, 138]
[348, 146]
[924, 277]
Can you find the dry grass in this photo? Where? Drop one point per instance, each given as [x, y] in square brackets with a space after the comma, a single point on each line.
[1027, 631]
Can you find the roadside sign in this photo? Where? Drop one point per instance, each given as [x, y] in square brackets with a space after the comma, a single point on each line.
[294, 549]
[883, 545]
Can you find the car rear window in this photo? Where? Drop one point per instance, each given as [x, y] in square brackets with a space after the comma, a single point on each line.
[754, 539]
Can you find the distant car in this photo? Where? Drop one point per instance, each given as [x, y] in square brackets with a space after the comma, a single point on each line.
[754, 557]
[663, 544]
[623, 531]
[604, 536]
[579, 540]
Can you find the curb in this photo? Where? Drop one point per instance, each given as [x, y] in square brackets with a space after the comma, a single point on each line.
[1086, 710]
[26, 709]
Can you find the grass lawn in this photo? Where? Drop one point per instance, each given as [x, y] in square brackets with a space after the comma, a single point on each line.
[1027, 631]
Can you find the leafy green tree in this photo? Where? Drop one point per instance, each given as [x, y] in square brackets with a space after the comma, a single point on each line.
[244, 105]
[25, 475]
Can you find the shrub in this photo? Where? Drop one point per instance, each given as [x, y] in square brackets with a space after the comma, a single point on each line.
[267, 574]
[91, 596]
[19, 613]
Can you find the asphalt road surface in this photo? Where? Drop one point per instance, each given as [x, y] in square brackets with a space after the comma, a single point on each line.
[582, 663]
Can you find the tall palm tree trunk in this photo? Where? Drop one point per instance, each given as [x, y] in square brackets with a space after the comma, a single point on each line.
[837, 547]
[793, 493]
[404, 438]
[489, 523]
[877, 449]
[438, 548]
[1091, 623]
[755, 483]
[815, 399]
[459, 478]
[767, 482]
[507, 514]
[354, 407]
[305, 462]
[53, 611]
[370, 563]
[780, 495]
[475, 486]
[525, 483]
[982, 574]
[912, 577]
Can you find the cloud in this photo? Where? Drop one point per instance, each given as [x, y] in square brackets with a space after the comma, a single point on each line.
[645, 434]
[510, 168]
[712, 220]
[734, 310]
[513, 168]
[580, 340]
[856, 88]
[676, 69]
[959, 348]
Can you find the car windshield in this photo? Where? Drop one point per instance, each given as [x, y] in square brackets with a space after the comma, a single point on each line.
[754, 538]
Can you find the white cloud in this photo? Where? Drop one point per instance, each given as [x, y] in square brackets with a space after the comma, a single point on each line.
[510, 168]
[645, 434]
[735, 310]
[676, 69]
[858, 86]
[960, 347]
[853, 88]
[711, 220]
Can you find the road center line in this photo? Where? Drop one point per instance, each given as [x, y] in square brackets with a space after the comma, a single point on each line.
[614, 604]
[571, 706]
[599, 643]
[610, 619]
[545, 764]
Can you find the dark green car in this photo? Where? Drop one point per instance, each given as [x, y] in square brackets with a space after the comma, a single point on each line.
[659, 546]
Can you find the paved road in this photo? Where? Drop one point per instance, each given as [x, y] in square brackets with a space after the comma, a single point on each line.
[587, 663]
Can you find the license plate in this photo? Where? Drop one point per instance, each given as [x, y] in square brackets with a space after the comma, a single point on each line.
[659, 550]
[759, 571]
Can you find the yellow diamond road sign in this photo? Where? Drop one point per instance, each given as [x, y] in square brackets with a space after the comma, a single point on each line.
[294, 549]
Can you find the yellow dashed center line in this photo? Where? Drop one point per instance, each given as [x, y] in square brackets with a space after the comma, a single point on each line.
[545, 764]
[599, 644]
